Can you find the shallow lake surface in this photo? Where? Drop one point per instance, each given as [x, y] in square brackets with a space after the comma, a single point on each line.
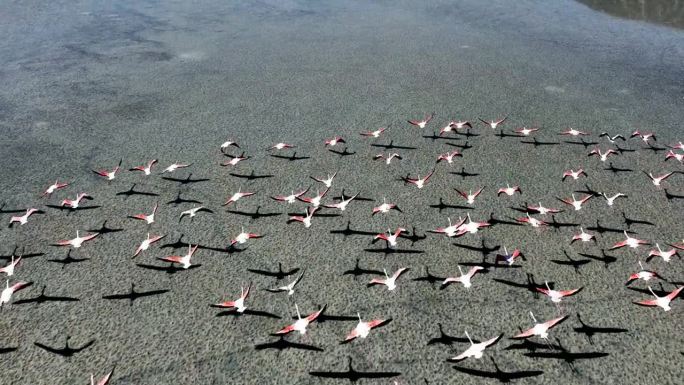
[87, 83]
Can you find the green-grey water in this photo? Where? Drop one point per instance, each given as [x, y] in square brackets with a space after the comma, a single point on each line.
[88, 83]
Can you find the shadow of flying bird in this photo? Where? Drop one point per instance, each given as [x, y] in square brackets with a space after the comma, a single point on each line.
[344, 196]
[179, 244]
[68, 260]
[671, 196]
[442, 206]
[42, 298]
[498, 374]
[483, 249]
[348, 231]
[629, 221]
[23, 254]
[445, 339]
[282, 344]
[429, 278]
[559, 225]
[413, 236]
[67, 350]
[8, 350]
[566, 355]
[537, 143]
[463, 173]
[359, 271]
[291, 158]
[574, 263]
[617, 170]
[255, 215]
[105, 230]
[590, 331]
[601, 229]
[132, 191]
[180, 200]
[353, 375]
[132, 295]
[502, 135]
[342, 153]
[280, 274]
[251, 176]
[531, 285]
[622, 150]
[171, 268]
[392, 146]
[605, 258]
[463, 147]
[250, 312]
[11, 211]
[186, 180]
[582, 142]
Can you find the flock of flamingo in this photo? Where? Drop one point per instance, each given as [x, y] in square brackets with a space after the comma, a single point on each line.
[69, 197]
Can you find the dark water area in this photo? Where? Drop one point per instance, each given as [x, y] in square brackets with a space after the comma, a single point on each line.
[88, 83]
[665, 12]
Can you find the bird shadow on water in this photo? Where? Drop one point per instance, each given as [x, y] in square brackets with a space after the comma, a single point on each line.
[67, 350]
[179, 200]
[68, 259]
[567, 356]
[132, 191]
[23, 255]
[342, 153]
[348, 231]
[358, 271]
[254, 215]
[279, 274]
[353, 375]
[282, 344]
[247, 312]
[43, 298]
[498, 374]
[171, 268]
[429, 278]
[590, 331]
[291, 158]
[445, 339]
[443, 206]
[133, 295]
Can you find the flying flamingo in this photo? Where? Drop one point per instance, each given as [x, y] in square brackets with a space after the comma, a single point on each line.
[147, 169]
[470, 197]
[148, 218]
[78, 241]
[463, 278]
[390, 282]
[146, 243]
[54, 187]
[23, 219]
[109, 175]
[290, 198]
[422, 123]
[540, 329]
[238, 304]
[363, 328]
[476, 350]
[6, 294]
[301, 323]
[663, 302]
[385, 207]
[629, 241]
[390, 238]
[182, 260]
[306, 220]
